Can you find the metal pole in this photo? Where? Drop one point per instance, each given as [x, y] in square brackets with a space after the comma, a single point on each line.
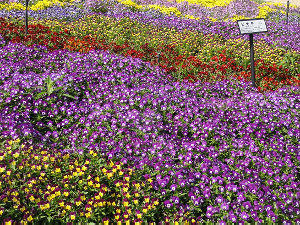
[26, 18]
[252, 60]
[287, 11]
[158, 57]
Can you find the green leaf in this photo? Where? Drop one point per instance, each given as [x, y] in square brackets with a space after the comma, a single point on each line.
[41, 94]
[67, 95]
[58, 88]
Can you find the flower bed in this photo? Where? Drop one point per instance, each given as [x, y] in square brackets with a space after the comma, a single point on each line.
[95, 130]
[206, 66]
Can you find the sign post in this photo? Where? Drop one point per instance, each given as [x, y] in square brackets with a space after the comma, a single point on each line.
[287, 11]
[252, 26]
[26, 17]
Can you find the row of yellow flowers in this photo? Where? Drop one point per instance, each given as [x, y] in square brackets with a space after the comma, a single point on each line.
[264, 9]
[39, 5]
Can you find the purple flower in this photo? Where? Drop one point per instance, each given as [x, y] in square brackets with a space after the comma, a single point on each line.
[173, 187]
[246, 205]
[175, 199]
[168, 204]
[224, 206]
[232, 218]
[244, 216]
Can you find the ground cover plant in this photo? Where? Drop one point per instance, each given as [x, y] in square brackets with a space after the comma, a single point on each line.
[96, 127]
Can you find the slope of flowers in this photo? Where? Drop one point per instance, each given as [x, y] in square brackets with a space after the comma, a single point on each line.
[177, 52]
[88, 136]
[218, 152]
[278, 32]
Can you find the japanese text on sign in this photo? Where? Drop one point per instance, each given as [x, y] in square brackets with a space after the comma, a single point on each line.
[252, 26]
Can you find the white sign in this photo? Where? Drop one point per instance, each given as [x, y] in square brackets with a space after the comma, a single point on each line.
[252, 26]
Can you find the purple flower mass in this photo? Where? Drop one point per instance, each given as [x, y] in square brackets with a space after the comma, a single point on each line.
[96, 114]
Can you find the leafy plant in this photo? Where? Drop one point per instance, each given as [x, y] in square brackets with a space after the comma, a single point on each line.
[49, 88]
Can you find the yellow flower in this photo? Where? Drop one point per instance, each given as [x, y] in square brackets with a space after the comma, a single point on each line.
[29, 218]
[16, 155]
[73, 217]
[139, 215]
[78, 203]
[88, 214]
[147, 199]
[126, 203]
[2, 169]
[57, 193]
[109, 175]
[46, 206]
[45, 158]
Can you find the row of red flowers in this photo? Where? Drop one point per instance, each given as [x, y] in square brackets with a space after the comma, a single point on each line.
[181, 67]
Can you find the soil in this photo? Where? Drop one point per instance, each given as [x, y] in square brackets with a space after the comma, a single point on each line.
[294, 2]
